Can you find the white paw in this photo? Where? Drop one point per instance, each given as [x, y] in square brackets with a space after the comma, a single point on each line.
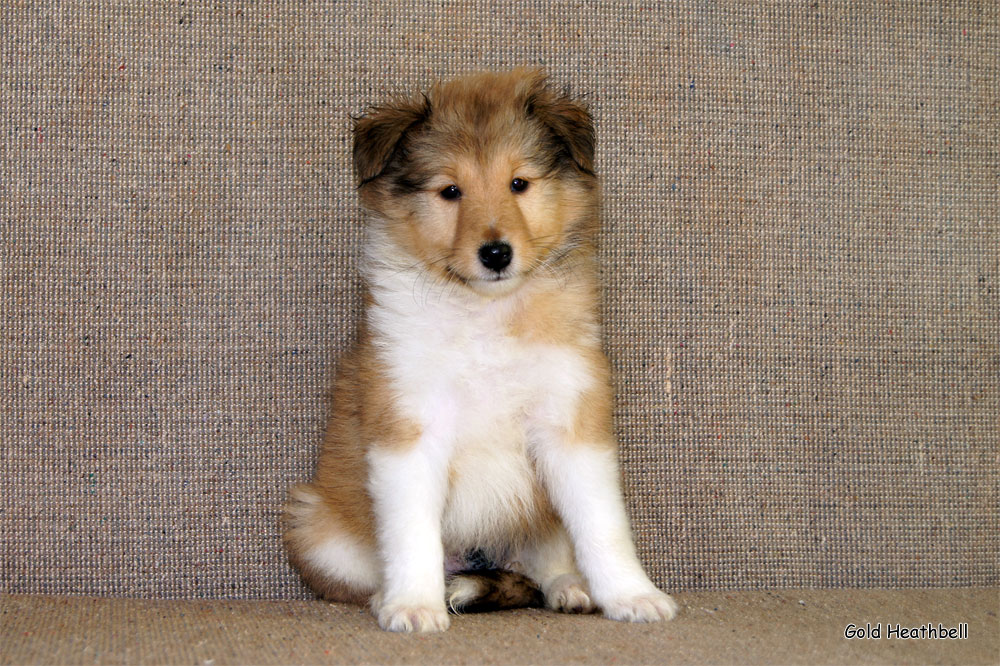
[648, 607]
[566, 594]
[417, 619]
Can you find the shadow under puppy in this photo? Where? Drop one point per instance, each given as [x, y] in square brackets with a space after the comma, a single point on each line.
[474, 413]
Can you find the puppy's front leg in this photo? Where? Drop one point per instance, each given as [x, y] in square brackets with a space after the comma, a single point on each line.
[583, 482]
[408, 492]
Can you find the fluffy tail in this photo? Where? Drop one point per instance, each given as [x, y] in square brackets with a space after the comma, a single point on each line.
[483, 590]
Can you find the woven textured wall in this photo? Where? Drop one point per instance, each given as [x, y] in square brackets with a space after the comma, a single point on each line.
[800, 260]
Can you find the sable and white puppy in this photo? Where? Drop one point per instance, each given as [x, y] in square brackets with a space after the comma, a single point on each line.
[474, 415]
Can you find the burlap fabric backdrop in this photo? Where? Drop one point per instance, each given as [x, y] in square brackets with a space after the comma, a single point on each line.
[800, 260]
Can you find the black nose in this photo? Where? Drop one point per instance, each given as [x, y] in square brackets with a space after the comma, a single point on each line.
[495, 255]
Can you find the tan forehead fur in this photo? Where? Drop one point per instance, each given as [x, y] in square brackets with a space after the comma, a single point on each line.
[484, 116]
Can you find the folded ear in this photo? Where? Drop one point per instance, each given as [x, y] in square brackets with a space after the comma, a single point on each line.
[379, 132]
[568, 120]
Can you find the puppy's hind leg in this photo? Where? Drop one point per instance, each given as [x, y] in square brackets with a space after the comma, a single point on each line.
[548, 560]
[336, 563]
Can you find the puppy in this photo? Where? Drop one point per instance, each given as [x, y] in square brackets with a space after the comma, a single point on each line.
[472, 421]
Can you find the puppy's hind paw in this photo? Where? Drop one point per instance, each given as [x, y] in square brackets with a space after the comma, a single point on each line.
[415, 619]
[567, 595]
[648, 607]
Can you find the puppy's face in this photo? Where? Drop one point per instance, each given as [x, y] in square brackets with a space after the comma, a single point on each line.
[484, 180]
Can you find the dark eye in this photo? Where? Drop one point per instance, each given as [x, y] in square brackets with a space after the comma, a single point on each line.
[451, 192]
[518, 185]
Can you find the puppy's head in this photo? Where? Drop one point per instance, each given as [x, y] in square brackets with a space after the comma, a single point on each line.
[484, 180]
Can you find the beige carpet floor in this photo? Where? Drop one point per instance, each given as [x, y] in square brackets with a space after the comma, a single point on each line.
[790, 626]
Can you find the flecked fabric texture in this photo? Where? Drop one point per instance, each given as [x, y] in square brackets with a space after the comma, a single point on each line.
[742, 627]
[799, 258]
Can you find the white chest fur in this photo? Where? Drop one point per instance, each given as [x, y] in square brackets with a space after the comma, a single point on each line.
[477, 392]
